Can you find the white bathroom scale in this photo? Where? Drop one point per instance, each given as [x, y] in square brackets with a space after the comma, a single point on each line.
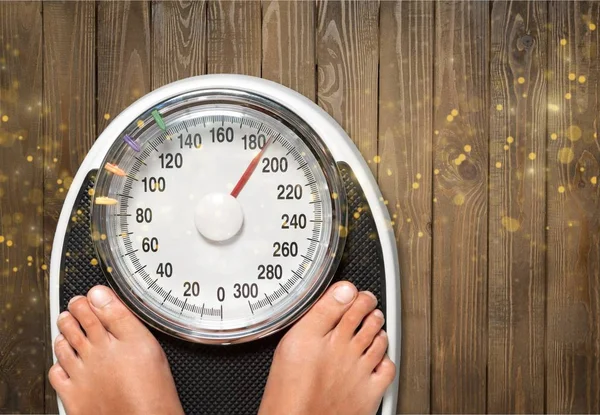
[219, 208]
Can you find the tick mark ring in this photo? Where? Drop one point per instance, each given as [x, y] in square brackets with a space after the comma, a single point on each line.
[250, 267]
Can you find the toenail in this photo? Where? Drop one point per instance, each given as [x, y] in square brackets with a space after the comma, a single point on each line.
[377, 313]
[59, 338]
[383, 334]
[370, 294]
[63, 315]
[344, 293]
[77, 297]
[100, 297]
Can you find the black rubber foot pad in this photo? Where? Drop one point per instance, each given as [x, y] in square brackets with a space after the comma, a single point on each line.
[226, 379]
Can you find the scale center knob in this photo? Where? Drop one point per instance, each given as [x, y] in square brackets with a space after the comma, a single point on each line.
[218, 216]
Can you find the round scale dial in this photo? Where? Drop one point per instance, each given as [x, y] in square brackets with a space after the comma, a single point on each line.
[220, 215]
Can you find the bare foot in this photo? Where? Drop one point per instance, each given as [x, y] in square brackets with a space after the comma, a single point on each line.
[323, 365]
[114, 365]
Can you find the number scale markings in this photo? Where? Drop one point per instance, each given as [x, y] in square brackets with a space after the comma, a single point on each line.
[142, 161]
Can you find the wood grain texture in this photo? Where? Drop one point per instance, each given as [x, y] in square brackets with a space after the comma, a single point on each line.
[405, 178]
[123, 53]
[22, 307]
[517, 204]
[347, 62]
[69, 121]
[459, 289]
[573, 260]
[178, 40]
[288, 44]
[234, 37]
[475, 338]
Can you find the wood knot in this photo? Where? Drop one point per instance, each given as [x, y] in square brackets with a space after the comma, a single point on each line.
[467, 170]
[525, 42]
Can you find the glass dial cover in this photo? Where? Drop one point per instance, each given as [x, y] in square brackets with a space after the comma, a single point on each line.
[218, 216]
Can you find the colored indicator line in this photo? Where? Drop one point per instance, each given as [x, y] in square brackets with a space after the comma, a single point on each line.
[159, 121]
[132, 143]
[114, 169]
[103, 200]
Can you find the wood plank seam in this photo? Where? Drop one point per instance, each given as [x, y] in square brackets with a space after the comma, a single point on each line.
[459, 299]
[516, 206]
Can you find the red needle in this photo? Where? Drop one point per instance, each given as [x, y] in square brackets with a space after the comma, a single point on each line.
[249, 170]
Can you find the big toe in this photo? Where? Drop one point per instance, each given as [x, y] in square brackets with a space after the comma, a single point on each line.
[112, 313]
[329, 309]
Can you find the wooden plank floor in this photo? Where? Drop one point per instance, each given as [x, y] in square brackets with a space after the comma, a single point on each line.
[478, 118]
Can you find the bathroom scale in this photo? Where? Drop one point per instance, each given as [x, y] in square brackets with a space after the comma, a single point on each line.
[219, 208]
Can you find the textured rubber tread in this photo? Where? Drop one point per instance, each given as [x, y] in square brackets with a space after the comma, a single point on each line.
[226, 379]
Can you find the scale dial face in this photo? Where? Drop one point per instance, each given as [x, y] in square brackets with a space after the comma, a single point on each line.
[218, 216]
